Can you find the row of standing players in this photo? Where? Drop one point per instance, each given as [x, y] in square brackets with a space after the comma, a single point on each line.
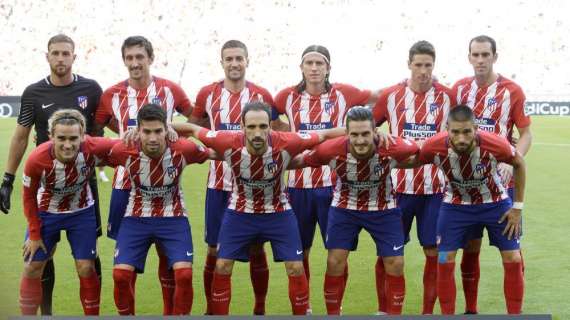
[415, 108]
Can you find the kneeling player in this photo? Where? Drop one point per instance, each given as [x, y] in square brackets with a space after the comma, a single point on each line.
[57, 197]
[475, 197]
[156, 212]
[363, 198]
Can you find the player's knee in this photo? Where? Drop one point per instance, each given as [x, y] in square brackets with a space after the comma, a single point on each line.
[430, 251]
[335, 264]
[212, 251]
[84, 268]
[394, 265]
[446, 256]
[294, 268]
[511, 256]
[224, 266]
[33, 270]
[121, 277]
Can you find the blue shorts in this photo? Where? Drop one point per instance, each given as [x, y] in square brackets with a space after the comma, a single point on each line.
[239, 230]
[384, 226]
[117, 209]
[311, 206]
[216, 205]
[81, 231]
[172, 234]
[426, 209]
[456, 220]
[476, 232]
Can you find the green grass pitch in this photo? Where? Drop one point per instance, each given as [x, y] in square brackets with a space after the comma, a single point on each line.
[545, 244]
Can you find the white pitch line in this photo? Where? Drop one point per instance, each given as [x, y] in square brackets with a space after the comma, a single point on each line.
[551, 144]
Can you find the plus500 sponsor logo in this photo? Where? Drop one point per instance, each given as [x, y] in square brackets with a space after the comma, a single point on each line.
[547, 108]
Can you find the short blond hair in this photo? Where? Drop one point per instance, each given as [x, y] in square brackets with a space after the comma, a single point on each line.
[66, 117]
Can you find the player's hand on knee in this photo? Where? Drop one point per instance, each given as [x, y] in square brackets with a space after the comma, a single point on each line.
[6, 192]
[31, 247]
[513, 227]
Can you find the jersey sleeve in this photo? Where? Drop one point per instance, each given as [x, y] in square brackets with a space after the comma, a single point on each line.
[182, 103]
[323, 153]
[267, 98]
[380, 110]
[501, 148]
[27, 116]
[118, 155]
[199, 110]
[354, 96]
[402, 149]
[427, 151]
[220, 140]
[520, 118]
[296, 143]
[194, 153]
[101, 148]
[104, 112]
[280, 102]
[31, 182]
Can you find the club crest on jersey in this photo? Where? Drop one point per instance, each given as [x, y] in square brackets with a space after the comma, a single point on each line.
[85, 171]
[271, 167]
[328, 107]
[171, 171]
[433, 107]
[82, 102]
[156, 100]
[211, 134]
[304, 135]
[378, 169]
[492, 104]
[480, 168]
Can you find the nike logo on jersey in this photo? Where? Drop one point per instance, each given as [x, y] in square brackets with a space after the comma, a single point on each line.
[299, 251]
[189, 254]
[397, 248]
[47, 105]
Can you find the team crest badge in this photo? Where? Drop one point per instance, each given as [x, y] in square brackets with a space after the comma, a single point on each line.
[378, 169]
[85, 171]
[82, 102]
[492, 104]
[171, 171]
[156, 100]
[480, 168]
[271, 167]
[433, 107]
[328, 107]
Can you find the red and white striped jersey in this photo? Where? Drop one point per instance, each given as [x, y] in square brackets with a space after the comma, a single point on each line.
[363, 185]
[223, 108]
[155, 183]
[258, 180]
[307, 112]
[121, 103]
[415, 116]
[472, 178]
[56, 187]
[497, 107]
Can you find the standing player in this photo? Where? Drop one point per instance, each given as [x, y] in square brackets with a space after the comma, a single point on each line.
[363, 198]
[498, 105]
[314, 104]
[118, 110]
[156, 210]
[258, 208]
[57, 197]
[417, 109]
[61, 89]
[476, 196]
[220, 104]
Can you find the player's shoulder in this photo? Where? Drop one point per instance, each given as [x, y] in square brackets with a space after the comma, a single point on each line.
[508, 83]
[463, 81]
[33, 88]
[257, 88]
[393, 88]
[439, 87]
[117, 87]
[41, 153]
[79, 79]
[209, 88]
[287, 91]
[163, 82]
[490, 139]
[182, 144]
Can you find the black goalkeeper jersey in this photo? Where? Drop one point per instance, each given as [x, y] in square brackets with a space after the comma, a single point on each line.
[41, 99]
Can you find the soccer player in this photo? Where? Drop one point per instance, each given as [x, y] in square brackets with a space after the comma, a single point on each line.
[476, 196]
[258, 207]
[156, 211]
[416, 109]
[61, 89]
[498, 105]
[118, 110]
[57, 196]
[363, 198]
[220, 105]
[314, 104]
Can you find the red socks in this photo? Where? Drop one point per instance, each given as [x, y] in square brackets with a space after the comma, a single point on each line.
[259, 273]
[209, 268]
[333, 290]
[89, 293]
[381, 286]
[514, 286]
[470, 274]
[30, 295]
[446, 290]
[221, 294]
[166, 277]
[395, 293]
[430, 284]
[299, 294]
[183, 292]
[124, 292]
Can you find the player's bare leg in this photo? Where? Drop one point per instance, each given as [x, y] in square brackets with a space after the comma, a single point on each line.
[167, 282]
[334, 280]
[259, 274]
[513, 280]
[31, 287]
[430, 280]
[470, 274]
[89, 286]
[298, 287]
[183, 291]
[222, 287]
[395, 283]
[208, 276]
[124, 292]
[446, 290]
